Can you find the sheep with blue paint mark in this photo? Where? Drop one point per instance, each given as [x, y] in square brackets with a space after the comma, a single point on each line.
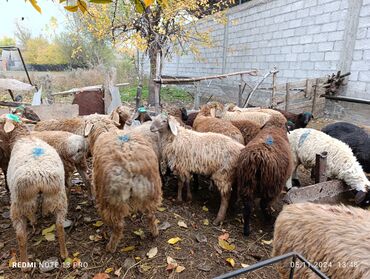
[341, 164]
[263, 168]
[72, 149]
[126, 176]
[34, 168]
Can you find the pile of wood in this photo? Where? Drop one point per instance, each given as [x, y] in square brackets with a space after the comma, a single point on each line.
[334, 82]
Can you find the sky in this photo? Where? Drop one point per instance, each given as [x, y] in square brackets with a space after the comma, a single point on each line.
[12, 11]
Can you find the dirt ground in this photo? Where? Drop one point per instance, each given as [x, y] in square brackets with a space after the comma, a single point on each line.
[198, 251]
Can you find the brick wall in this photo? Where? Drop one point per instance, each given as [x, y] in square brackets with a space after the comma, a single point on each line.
[303, 38]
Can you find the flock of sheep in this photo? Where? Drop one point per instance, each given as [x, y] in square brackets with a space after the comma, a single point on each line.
[254, 152]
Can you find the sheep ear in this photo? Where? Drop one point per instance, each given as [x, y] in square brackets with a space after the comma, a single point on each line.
[173, 126]
[115, 117]
[88, 128]
[9, 126]
[213, 112]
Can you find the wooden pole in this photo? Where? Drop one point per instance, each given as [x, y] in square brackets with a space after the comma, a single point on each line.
[287, 95]
[157, 88]
[197, 98]
[320, 167]
[185, 80]
[314, 96]
[240, 93]
[272, 105]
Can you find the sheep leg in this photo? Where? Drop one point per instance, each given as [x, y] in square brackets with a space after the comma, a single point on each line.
[189, 196]
[20, 226]
[60, 217]
[83, 173]
[223, 208]
[115, 237]
[247, 212]
[180, 185]
[153, 224]
[265, 205]
[196, 182]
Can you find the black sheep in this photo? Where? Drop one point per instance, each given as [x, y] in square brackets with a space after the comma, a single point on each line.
[355, 137]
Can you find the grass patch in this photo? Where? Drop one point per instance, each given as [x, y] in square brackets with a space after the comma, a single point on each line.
[169, 94]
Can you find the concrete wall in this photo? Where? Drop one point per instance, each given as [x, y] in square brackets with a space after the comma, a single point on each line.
[303, 38]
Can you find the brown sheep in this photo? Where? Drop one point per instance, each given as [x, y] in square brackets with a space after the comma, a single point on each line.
[125, 177]
[191, 117]
[248, 129]
[206, 122]
[264, 167]
[335, 238]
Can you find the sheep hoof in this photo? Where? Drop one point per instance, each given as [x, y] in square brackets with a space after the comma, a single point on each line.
[111, 247]
[217, 222]
[360, 197]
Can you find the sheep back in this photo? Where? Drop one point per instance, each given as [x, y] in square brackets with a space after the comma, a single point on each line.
[305, 143]
[217, 125]
[334, 237]
[35, 167]
[264, 165]
[209, 154]
[248, 129]
[125, 174]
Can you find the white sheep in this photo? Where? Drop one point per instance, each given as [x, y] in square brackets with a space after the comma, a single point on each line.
[187, 152]
[72, 149]
[334, 238]
[305, 143]
[34, 167]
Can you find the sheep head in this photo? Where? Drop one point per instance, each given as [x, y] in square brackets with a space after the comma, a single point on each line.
[12, 126]
[304, 118]
[163, 123]
[120, 116]
[213, 109]
[141, 115]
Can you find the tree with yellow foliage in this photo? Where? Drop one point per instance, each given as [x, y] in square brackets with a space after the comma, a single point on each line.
[156, 27]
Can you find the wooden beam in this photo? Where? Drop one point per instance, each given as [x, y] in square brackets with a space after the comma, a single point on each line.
[13, 104]
[195, 79]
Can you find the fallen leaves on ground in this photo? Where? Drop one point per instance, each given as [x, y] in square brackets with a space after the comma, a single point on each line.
[139, 232]
[174, 240]
[182, 224]
[152, 252]
[50, 236]
[48, 230]
[98, 224]
[95, 237]
[118, 272]
[108, 270]
[164, 226]
[205, 208]
[225, 245]
[267, 242]
[180, 268]
[231, 261]
[171, 263]
[244, 265]
[206, 222]
[161, 209]
[128, 249]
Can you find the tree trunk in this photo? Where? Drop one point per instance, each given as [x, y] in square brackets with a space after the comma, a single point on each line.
[153, 67]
